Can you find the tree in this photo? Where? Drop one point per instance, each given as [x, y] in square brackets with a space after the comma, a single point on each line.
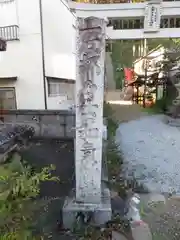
[19, 188]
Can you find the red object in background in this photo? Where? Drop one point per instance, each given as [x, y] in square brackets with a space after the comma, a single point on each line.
[129, 74]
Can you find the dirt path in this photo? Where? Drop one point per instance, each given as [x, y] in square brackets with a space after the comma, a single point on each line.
[164, 219]
[125, 113]
[61, 154]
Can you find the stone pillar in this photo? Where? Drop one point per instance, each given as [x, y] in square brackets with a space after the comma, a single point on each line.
[89, 108]
[90, 198]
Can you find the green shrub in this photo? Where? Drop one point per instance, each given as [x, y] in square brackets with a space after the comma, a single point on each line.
[111, 123]
[19, 189]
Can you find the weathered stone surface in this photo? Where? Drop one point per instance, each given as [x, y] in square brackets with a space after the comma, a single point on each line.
[118, 236]
[101, 212]
[89, 108]
[156, 198]
[91, 196]
[142, 232]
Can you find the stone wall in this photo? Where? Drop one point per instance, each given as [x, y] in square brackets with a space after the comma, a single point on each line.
[47, 123]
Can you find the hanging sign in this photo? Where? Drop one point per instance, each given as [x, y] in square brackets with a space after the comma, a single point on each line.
[152, 18]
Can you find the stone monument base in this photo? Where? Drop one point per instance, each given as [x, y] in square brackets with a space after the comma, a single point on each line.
[101, 213]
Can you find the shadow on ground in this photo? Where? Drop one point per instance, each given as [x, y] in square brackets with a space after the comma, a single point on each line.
[61, 154]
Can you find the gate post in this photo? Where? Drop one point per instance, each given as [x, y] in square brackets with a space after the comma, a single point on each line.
[91, 197]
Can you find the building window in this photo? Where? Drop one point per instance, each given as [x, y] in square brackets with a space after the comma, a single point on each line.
[128, 23]
[7, 98]
[170, 22]
[61, 87]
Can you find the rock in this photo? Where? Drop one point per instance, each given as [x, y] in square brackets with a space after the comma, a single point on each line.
[114, 194]
[175, 197]
[118, 236]
[142, 232]
[156, 198]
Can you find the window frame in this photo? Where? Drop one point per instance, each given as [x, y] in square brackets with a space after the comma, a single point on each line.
[58, 81]
[9, 89]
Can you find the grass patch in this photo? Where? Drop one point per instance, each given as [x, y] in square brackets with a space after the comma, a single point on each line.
[114, 155]
[112, 125]
[19, 196]
[161, 105]
[152, 110]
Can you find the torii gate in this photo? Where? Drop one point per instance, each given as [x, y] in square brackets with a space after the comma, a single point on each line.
[152, 12]
[90, 194]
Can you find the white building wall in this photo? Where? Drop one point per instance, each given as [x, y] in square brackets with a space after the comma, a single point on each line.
[59, 47]
[8, 14]
[23, 58]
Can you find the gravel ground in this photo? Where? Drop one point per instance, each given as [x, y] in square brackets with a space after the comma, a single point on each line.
[151, 152]
[163, 219]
